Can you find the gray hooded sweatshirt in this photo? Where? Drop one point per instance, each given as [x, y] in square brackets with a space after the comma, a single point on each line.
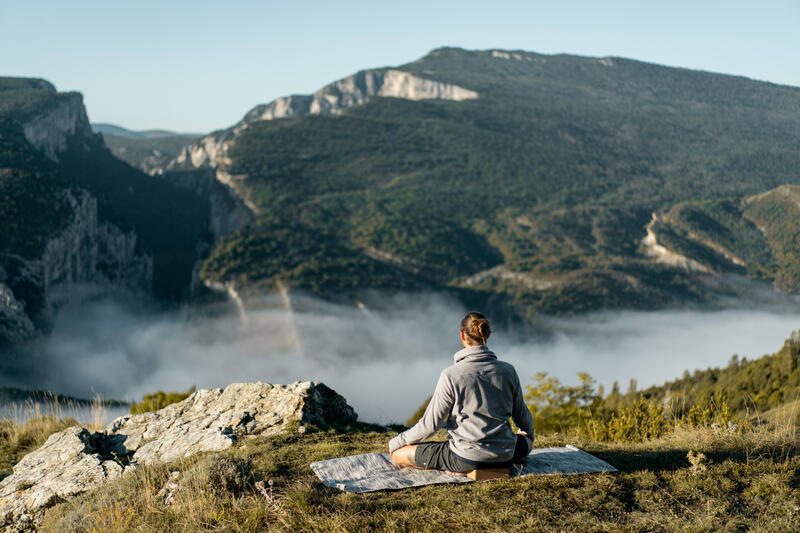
[477, 395]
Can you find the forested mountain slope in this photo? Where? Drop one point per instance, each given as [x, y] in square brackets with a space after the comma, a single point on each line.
[537, 184]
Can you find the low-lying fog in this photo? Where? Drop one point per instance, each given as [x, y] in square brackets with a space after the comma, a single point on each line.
[385, 362]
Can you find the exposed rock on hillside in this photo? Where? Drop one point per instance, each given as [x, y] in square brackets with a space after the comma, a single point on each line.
[50, 129]
[85, 250]
[75, 461]
[331, 99]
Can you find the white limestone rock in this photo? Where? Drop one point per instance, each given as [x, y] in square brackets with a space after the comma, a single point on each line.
[68, 463]
[55, 125]
[334, 98]
[75, 461]
[214, 419]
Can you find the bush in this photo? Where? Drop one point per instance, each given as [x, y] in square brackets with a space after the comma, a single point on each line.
[557, 407]
[159, 400]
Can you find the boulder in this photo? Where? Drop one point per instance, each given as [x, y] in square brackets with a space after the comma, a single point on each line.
[75, 460]
[70, 462]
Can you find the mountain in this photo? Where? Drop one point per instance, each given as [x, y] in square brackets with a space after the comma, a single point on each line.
[119, 131]
[517, 177]
[71, 212]
[146, 150]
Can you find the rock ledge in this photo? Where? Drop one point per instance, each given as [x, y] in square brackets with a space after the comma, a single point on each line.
[75, 460]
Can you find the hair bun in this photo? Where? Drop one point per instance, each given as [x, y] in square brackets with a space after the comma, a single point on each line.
[476, 326]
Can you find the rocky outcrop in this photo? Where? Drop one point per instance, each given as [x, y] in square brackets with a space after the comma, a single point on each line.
[15, 324]
[357, 89]
[214, 419]
[75, 460]
[661, 254]
[84, 250]
[50, 129]
[90, 250]
[69, 463]
[331, 99]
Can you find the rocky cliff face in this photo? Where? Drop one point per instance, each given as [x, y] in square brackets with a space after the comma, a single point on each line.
[86, 250]
[331, 99]
[76, 460]
[15, 325]
[50, 129]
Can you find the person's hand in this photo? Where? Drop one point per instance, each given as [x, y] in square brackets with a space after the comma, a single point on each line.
[528, 439]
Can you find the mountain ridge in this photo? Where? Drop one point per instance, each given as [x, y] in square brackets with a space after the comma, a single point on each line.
[593, 147]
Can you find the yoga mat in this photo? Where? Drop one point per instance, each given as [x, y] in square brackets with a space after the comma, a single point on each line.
[375, 471]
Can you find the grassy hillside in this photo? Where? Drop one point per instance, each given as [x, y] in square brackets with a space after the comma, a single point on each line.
[758, 385]
[739, 483]
[693, 475]
[553, 172]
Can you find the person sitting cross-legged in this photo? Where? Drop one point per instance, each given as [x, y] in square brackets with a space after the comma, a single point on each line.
[477, 396]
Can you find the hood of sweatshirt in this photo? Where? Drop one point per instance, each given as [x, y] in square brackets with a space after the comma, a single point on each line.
[474, 353]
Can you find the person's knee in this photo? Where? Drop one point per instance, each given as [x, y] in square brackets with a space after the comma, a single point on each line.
[404, 456]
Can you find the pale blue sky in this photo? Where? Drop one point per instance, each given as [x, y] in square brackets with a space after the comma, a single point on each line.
[200, 65]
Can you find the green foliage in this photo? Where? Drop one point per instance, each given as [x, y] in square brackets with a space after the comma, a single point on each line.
[642, 421]
[757, 385]
[557, 407]
[159, 400]
[313, 260]
[777, 214]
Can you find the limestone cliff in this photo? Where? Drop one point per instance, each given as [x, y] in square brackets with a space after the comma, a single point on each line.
[51, 128]
[332, 99]
[231, 208]
[76, 248]
[86, 250]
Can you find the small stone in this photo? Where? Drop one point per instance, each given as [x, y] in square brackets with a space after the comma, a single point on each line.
[301, 429]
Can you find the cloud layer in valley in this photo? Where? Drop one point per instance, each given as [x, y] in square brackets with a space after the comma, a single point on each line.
[384, 360]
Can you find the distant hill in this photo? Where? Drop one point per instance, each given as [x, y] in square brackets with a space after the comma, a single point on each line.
[758, 385]
[524, 177]
[119, 131]
[22, 397]
[147, 150]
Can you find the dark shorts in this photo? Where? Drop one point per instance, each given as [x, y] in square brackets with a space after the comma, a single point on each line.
[439, 456]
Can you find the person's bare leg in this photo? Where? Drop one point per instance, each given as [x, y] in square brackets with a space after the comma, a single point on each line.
[405, 456]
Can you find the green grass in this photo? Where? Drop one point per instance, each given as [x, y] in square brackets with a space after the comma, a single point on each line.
[748, 482]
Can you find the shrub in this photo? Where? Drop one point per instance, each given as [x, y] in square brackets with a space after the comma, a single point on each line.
[557, 407]
[159, 400]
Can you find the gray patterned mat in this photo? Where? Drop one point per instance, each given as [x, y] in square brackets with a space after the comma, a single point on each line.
[376, 471]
